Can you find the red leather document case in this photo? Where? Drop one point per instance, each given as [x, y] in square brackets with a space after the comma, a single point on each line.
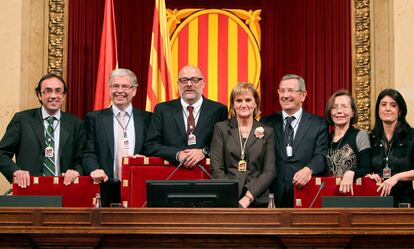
[315, 189]
[80, 193]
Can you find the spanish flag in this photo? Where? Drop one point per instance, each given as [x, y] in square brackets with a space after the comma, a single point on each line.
[159, 73]
[108, 58]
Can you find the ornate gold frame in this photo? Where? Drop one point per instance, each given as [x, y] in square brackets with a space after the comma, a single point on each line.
[361, 51]
[56, 37]
[361, 61]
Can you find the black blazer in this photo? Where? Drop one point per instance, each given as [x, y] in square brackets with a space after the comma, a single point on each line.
[401, 158]
[167, 135]
[260, 158]
[25, 139]
[309, 149]
[99, 145]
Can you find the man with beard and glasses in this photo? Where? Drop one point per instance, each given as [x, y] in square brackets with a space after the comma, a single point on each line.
[45, 141]
[181, 129]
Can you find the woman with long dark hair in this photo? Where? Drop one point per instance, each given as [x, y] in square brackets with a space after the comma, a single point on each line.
[392, 145]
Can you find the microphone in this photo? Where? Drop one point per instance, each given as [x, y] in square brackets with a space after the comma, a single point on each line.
[172, 173]
[205, 171]
[179, 166]
[8, 191]
[317, 194]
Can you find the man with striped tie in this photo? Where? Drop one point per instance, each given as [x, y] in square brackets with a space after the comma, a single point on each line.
[45, 140]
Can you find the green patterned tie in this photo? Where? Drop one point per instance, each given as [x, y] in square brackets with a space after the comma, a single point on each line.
[49, 160]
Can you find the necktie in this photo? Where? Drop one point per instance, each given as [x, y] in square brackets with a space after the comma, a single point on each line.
[289, 130]
[122, 150]
[49, 160]
[190, 120]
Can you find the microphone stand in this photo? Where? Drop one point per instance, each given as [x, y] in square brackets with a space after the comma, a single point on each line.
[317, 194]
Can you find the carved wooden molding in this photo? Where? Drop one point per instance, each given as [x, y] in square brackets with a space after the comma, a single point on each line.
[361, 61]
[56, 37]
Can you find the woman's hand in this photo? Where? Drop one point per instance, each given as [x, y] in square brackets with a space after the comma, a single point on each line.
[347, 182]
[387, 185]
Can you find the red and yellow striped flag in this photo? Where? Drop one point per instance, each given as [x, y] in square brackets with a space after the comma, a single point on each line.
[159, 73]
[108, 58]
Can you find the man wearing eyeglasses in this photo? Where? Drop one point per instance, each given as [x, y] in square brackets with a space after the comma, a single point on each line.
[45, 140]
[301, 140]
[181, 129]
[113, 133]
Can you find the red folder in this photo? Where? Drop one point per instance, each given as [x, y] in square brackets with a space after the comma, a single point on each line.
[80, 193]
[137, 170]
[363, 186]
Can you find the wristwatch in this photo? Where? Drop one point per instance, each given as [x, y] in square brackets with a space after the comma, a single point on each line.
[206, 152]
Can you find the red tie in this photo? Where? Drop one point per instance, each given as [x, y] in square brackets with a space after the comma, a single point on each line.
[190, 120]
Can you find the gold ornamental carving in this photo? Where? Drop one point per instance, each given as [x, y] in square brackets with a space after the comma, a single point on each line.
[361, 60]
[56, 39]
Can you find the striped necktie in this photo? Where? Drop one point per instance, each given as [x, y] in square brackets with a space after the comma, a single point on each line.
[289, 130]
[50, 153]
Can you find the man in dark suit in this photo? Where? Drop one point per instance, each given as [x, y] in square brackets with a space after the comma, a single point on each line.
[113, 133]
[181, 129]
[300, 141]
[45, 140]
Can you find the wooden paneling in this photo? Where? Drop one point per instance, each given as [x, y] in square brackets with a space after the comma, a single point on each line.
[207, 228]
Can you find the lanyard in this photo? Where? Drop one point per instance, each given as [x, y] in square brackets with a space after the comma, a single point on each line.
[126, 126]
[243, 145]
[387, 153]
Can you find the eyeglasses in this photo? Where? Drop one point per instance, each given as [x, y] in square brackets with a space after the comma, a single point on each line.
[116, 87]
[342, 107]
[193, 80]
[288, 90]
[50, 91]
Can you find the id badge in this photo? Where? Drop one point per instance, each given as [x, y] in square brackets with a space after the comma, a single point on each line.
[125, 143]
[192, 140]
[386, 172]
[49, 152]
[242, 165]
[289, 151]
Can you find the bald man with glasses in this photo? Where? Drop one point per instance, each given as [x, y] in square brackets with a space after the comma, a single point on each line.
[181, 129]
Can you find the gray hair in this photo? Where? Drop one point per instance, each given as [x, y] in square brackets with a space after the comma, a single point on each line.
[302, 85]
[121, 72]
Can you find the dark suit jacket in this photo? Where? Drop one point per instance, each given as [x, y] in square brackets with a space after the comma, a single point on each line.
[167, 135]
[260, 158]
[99, 145]
[25, 139]
[309, 149]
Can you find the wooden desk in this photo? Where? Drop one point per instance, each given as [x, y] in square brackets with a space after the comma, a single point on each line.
[207, 228]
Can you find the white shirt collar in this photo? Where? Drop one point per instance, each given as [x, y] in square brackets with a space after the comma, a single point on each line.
[116, 110]
[196, 105]
[45, 115]
[297, 114]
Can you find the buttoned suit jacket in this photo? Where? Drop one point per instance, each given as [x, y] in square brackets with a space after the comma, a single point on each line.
[25, 138]
[259, 155]
[167, 134]
[309, 149]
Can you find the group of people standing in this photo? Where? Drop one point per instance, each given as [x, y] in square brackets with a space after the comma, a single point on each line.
[274, 155]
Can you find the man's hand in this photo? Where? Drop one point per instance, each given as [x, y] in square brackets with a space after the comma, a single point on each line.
[70, 176]
[302, 177]
[98, 175]
[23, 178]
[346, 185]
[193, 157]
